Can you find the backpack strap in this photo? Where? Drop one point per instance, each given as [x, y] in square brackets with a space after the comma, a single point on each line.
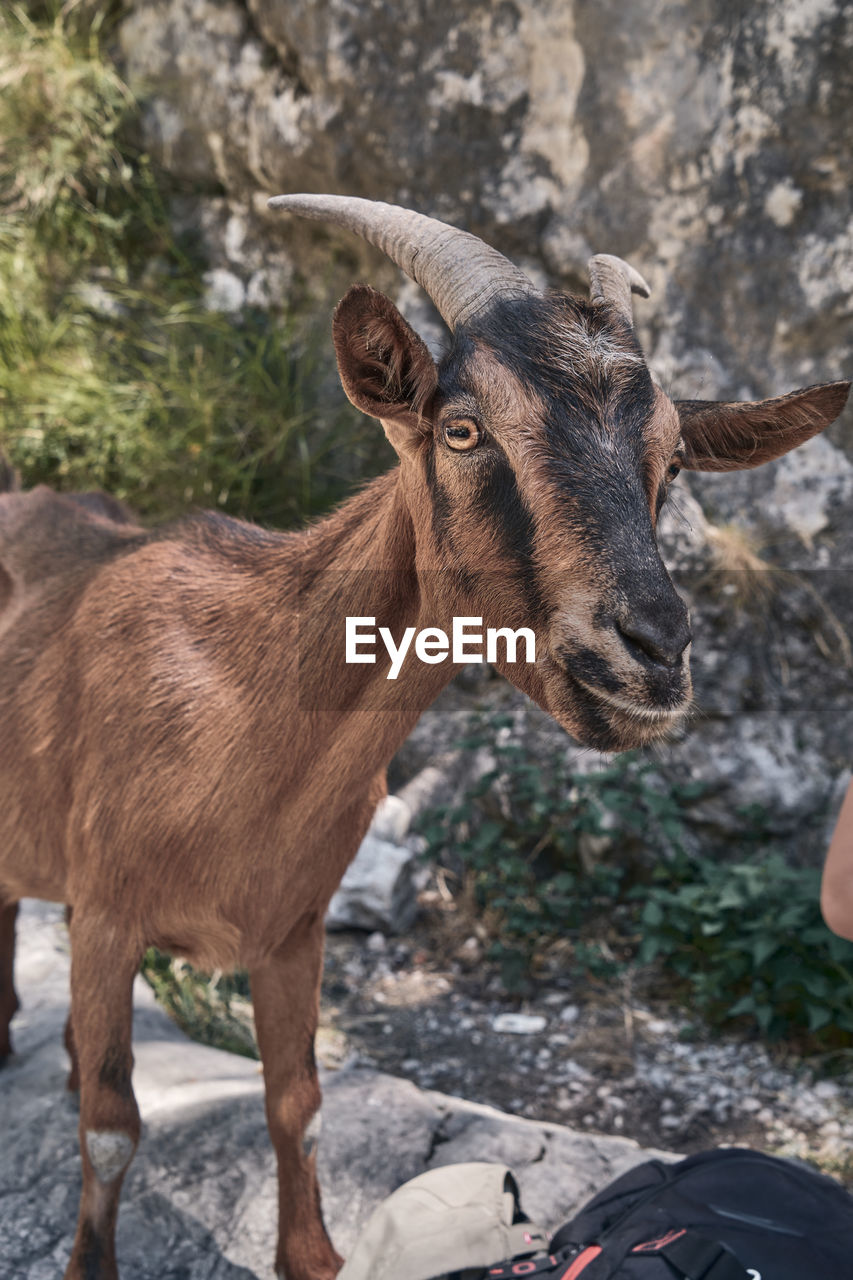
[691, 1255]
[553, 1266]
[696, 1257]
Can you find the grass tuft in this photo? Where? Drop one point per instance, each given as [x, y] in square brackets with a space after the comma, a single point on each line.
[112, 371]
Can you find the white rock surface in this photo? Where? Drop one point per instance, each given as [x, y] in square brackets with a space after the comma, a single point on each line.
[379, 891]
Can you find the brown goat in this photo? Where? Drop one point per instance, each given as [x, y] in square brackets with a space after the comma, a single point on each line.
[186, 759]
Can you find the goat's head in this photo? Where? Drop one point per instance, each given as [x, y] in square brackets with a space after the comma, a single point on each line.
[536, 457]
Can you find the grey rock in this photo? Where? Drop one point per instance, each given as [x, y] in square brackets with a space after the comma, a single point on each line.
[380, 888]
[426, 789]
[200, 1199]
[392, 819]
[711, 149]
[378, 891]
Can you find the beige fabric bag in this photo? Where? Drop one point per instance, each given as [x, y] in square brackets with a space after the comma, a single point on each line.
[445, 1221]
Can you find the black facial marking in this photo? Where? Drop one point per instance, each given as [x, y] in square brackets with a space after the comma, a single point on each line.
[441, 506]
[585, 365]
[497, 501]
[442, 527]
[665, 688]
[592, 668]
[597, 726]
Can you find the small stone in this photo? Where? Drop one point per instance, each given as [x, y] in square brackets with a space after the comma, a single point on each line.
[519, 1024]
[376, 942]
[569, 1014]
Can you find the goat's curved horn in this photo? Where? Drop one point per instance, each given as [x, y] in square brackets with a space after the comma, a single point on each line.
[613, 280]
[461, 273]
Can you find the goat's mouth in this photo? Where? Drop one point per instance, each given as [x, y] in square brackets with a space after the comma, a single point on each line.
[635, 710]
[618, 717]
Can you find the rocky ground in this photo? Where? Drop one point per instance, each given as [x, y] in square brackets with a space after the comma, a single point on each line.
[199, 1201]
[601, 1058]
[422, 1059]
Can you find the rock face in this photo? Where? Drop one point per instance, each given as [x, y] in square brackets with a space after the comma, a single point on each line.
[712, 145]
[199, 1201]
[709, 144]
[379, 890]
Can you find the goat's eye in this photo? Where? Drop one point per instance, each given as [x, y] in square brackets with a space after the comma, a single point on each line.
[672, 471]
[462, 434]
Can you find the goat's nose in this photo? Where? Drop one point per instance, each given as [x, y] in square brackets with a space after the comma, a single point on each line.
[663, 639]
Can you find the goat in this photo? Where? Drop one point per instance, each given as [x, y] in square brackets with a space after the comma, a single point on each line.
[187, 761]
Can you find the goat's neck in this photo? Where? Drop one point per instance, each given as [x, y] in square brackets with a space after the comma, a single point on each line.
[361, 562]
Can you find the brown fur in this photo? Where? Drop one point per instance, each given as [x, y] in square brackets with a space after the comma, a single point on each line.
[187, 761]
[738, 435]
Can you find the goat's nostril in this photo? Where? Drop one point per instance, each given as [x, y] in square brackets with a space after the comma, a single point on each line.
[663, 642]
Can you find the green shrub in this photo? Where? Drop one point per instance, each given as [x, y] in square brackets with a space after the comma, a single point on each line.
[524, 833]
[741, 943]
[112, 372]
[214, 1010]
[748, 942]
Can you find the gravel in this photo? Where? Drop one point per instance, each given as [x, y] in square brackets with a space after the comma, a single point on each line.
[589, 1055]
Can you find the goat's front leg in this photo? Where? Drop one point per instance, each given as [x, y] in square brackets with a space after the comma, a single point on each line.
[8, 998]
[103, 966]
[286, 994]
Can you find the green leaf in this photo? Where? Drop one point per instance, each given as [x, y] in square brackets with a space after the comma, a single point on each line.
[763, 948]
[819, 1016]
[652, 913]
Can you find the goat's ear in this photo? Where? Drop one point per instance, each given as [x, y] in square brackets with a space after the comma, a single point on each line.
[721, 436]
[385, 368]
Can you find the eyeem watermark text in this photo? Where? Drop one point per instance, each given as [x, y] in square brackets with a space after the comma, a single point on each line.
[465, 643]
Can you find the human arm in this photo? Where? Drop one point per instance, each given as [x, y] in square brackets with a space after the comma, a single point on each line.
[836, 892]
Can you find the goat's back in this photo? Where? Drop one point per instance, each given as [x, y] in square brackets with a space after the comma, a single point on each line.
[45, 534]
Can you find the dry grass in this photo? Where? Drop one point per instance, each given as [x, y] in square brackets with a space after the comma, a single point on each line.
[749, 582]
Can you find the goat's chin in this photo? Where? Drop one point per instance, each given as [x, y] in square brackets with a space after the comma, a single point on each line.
[605, 721]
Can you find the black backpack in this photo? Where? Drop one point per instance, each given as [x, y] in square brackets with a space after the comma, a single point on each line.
[722, 1215]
